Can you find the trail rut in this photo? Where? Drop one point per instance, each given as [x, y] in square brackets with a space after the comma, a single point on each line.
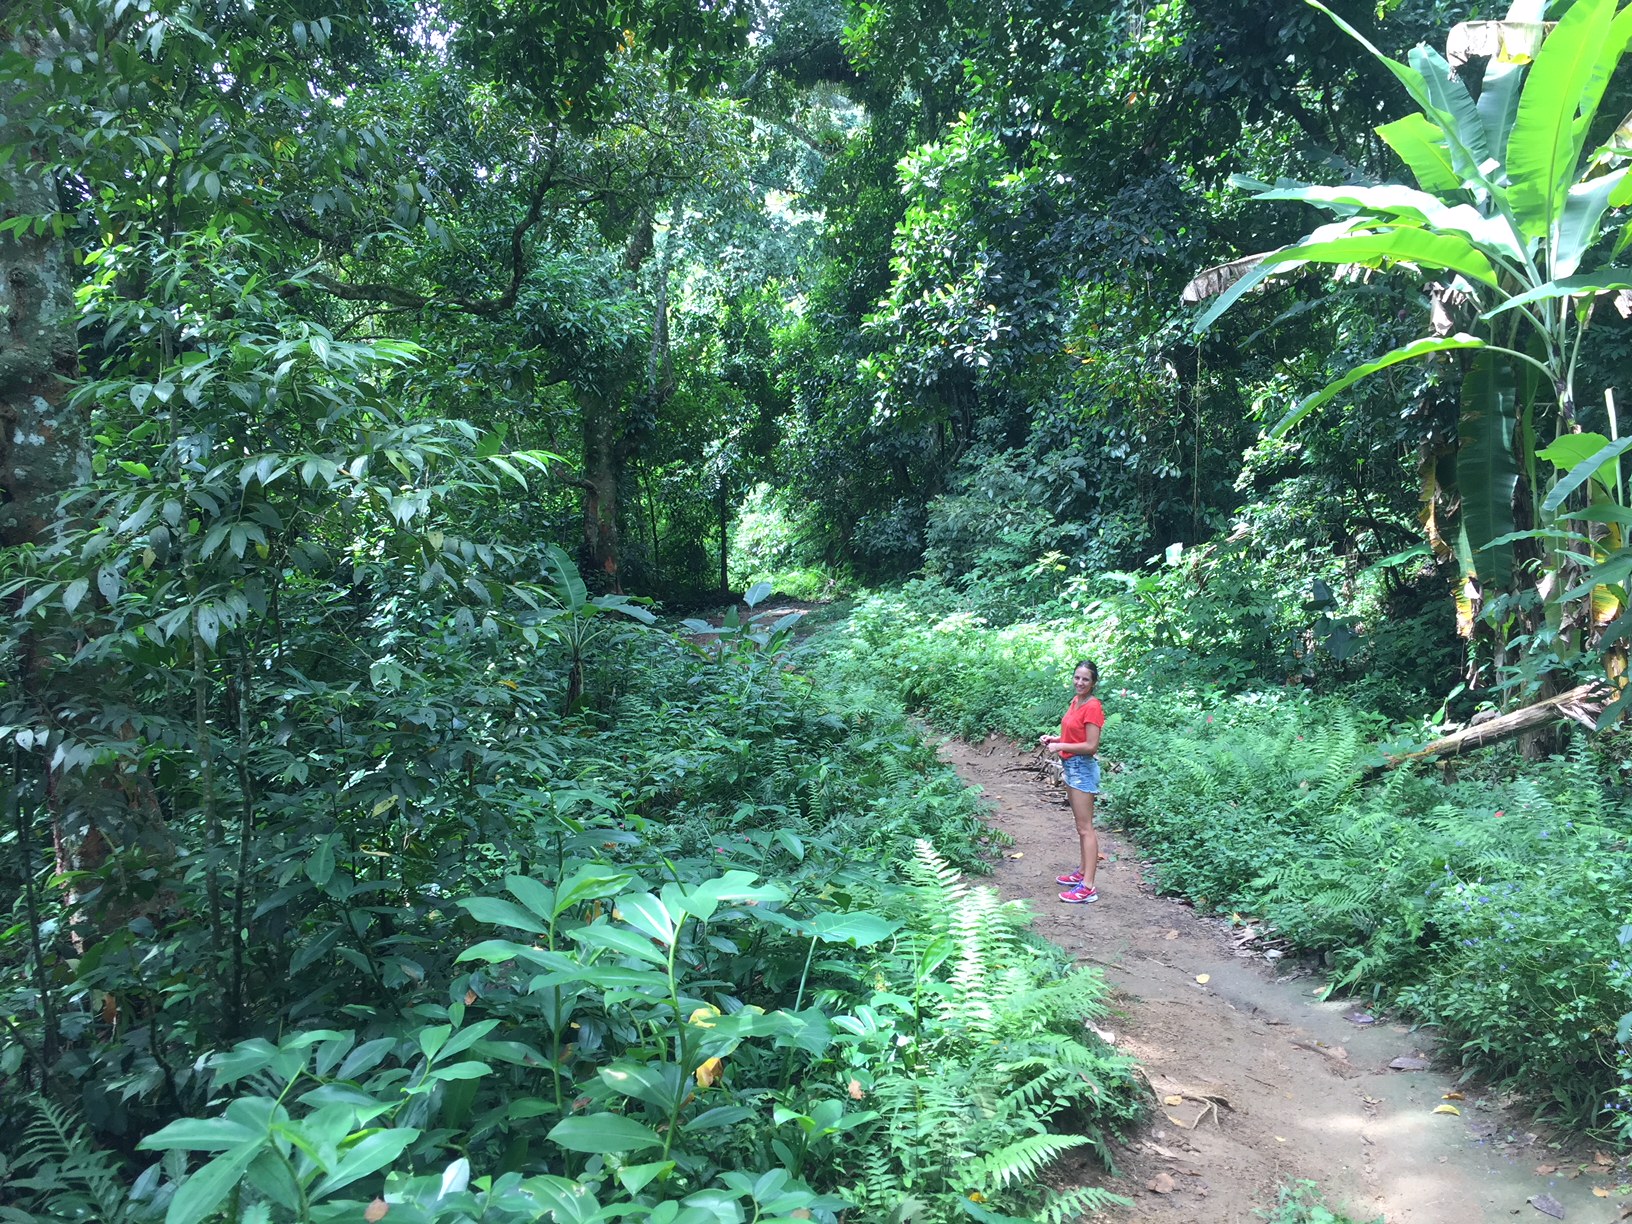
[1274, 1085]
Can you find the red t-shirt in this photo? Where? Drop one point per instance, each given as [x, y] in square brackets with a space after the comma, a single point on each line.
[1074, 726]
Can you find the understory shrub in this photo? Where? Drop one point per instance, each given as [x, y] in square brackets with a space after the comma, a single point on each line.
[703, 953]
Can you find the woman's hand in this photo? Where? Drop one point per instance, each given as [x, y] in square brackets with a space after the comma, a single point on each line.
[1043, 741]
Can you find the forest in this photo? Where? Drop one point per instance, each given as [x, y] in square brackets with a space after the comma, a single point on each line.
[501, 499]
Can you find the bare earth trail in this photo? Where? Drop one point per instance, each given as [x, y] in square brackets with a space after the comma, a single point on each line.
[1275, 1085]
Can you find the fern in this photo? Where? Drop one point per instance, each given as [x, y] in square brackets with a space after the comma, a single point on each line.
[68, 1177]
[1020, 1161]
[1058, 1208]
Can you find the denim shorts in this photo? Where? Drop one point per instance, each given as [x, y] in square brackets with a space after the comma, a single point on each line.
[1082, 773]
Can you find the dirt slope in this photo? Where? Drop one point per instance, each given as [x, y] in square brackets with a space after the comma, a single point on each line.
[1274, 1084]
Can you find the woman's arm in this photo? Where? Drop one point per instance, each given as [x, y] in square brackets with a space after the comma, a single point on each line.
[1089, 745]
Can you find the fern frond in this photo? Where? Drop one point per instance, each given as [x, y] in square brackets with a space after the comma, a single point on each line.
[1073, 1204]
[1019, 1161]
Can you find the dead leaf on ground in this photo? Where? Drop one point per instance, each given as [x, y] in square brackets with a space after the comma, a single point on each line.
[1162, 1183]
[1600, 1192]
[1452, 1096]
[1546, 1170]
[1409, 1063]
[1448, 1109]
[1018, 854]
[1171, 935]
[1547, 1205]
[1204, 978]
[1599, 1158]
[1175, 1099]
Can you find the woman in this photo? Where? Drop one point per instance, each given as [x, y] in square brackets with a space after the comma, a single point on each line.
[1076, 745]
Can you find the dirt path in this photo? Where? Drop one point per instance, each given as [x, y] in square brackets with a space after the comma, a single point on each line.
[1274, 1084]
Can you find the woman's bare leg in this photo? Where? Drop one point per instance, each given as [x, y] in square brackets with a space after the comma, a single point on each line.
[1082, 807]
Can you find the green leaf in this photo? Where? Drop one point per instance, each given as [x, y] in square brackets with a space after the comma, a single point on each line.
[1584, 207]
[1336, 245]
[368, 1153]
[1486, 473]
[648, 915]
[719, 1115]
[635, 1178]
[616, 939]
[1452, 252]
[198, 1135]
[660, 1084]
[1405, 206]
[589, 884]
[497, 951]
[603, 1132]
[733, 886]
[500, 912]
[1455, 112]
[1406, 352]
[1567, 450]
[859, 929]
[1605, 280]
[200, 1194]
[320, 863]
[1544, 147]
[1583, 471]
[1421, 146]
[1499, 97]
[535, 895]
[570, 590]
[73, 593]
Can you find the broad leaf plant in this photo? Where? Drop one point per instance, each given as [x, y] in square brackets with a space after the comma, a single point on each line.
[1513, 212]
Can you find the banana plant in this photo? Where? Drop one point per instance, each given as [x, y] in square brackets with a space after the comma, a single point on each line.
[576, 621]
[1509, 204]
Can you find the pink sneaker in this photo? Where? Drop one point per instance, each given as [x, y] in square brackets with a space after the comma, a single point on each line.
[1082, 894]
[1070, 877]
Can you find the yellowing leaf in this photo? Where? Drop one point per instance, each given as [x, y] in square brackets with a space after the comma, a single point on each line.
[1175, 1099]
[709, 1073]
[703, 1017]
[1204, 978]
[1448, 1109]
[1452, 1096]
[1600, 1192]
[375, 1211]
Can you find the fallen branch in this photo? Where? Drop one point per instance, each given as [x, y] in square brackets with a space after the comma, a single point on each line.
[1582, 704]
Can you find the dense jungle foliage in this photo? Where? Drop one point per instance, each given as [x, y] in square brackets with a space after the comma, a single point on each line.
[384, 381]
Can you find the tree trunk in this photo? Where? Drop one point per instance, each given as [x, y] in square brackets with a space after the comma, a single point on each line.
[725, 538]
[1582, 704]
[44, 443]
[603, 473]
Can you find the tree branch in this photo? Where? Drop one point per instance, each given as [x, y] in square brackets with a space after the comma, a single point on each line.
[407, 299]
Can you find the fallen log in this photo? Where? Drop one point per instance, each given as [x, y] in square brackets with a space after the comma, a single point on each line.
[1583, 704]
